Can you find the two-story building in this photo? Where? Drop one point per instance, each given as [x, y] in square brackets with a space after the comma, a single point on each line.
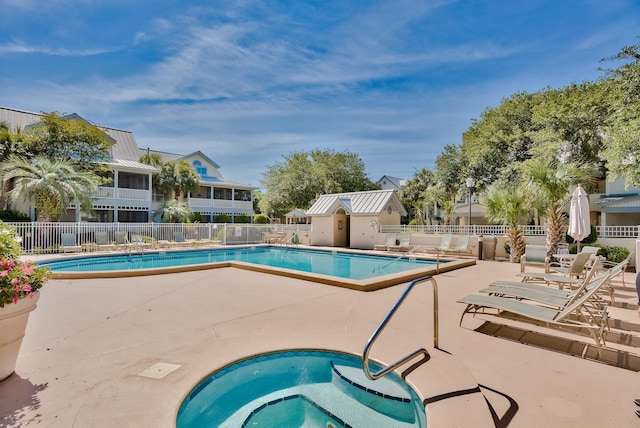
[128, 194]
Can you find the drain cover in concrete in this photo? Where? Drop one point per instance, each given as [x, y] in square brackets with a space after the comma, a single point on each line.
[160, 370]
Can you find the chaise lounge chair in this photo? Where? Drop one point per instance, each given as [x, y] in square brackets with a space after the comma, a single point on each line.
[102, 241]
[445, 244]
[69, 244]
[391, 241]
[535, 255]
[403, 243]
[573, 315]
[462, 246]
[578, 268]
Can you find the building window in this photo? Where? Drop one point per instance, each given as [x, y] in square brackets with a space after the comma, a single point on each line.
[125, 216]
[202, 170]
[221, 193]
[202, 192]
[242, 195]
[127, 180]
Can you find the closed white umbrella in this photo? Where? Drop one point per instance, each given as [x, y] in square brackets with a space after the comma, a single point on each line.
[579, 222]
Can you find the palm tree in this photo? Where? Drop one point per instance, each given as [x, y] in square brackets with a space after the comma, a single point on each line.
[174, 212]
[51, 185]
[178, 177]
[414, 193]
[551, 185]
[512, 207]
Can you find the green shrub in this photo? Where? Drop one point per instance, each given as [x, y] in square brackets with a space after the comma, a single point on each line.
[12, 215]
[222, 218]
[261, 219]
[593, 237]
[614, 254]
[242, 219]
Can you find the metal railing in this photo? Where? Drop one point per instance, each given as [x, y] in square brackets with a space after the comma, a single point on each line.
[385, 321]
[499, 230]
[42, 238]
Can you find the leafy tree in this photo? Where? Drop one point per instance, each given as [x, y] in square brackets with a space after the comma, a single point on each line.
[569, 123]
[414, 193]
[70, 139]
[622, 152]
[500, 139]
[511, 206]
[550, 185]
[51, 184]
[303, 176]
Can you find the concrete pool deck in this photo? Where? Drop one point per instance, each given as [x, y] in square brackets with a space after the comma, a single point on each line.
[89, 341]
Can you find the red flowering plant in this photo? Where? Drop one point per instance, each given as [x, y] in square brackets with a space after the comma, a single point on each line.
[18, 279]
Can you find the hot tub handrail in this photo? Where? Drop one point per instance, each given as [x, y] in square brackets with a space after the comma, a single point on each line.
[383, 324]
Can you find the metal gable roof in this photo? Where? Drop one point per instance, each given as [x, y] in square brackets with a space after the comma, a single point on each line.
[357, 203]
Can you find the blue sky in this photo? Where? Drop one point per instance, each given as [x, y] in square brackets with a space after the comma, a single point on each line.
[248, 82]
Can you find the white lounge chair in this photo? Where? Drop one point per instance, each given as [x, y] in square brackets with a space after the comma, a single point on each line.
[535, 255]
[462, 246]
[445, 244]
[404, 243]
[391, 241]
[574, 314]
[69, 243]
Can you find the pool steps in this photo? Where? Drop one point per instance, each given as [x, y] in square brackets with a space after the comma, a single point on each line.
[346, 411]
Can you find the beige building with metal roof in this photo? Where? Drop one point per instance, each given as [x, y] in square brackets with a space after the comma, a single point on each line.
[352, 219]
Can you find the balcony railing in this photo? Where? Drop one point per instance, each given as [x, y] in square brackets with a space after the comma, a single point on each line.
[219, 203]
[122, 193]
[499, 230]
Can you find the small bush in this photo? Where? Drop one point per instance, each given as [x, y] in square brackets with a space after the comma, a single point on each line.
[593, 237]
[12, 215]
[222, 218]
[614, 254]
[261, 219]
[242, 219]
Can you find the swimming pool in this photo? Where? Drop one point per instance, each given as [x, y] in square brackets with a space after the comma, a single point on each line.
[302, 387]
[356, 270]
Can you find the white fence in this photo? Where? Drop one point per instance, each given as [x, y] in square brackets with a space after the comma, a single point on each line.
[47, 237]
[498, 230]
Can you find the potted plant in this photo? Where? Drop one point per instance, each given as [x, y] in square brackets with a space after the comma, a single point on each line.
[19, 285]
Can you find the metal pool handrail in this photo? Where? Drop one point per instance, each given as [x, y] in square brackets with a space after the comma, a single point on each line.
[383, 324]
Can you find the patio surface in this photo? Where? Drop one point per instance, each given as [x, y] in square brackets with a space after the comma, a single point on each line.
[89, 339]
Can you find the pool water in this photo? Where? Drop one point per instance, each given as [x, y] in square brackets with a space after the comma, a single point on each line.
[300, 388]
[332, 263]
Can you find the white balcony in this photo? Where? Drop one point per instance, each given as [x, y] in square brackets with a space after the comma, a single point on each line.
[130, 194]
[195, 203]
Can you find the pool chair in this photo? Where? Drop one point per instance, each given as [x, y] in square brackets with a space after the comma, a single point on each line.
[606, 264]
[391, 241]
[445, 244]
[555, 297]
[526, 290]
[462, 246]
[536, 256]
[282, 238]
[122, 240]
[577, 313]
[403, 243]
[68, 243]
[102, 241]
[178, 240]
[576, 268]
[137, 242]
